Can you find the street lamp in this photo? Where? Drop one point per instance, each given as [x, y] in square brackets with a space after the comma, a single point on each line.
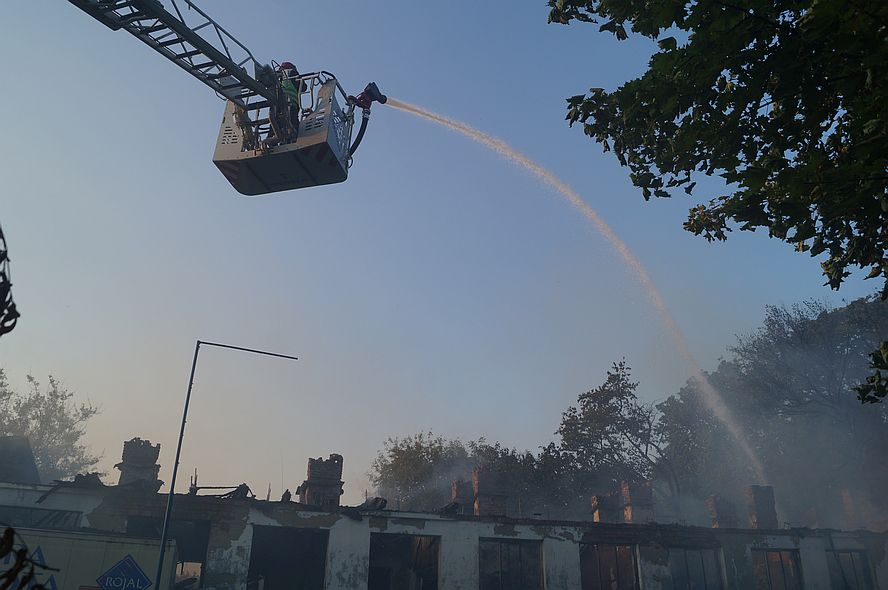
[169, 507]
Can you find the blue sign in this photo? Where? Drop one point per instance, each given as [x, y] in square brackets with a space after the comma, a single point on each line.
[124, 575]
[49, 583]
[38, 558]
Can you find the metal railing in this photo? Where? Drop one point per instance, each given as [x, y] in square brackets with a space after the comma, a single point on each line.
[221, 34]
[217, 59]
[259, 117]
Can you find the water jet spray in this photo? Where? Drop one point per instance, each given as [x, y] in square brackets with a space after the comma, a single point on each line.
[711, 397]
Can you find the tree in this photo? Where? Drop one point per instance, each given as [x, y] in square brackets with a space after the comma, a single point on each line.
[784, 99]
[788, 384]
[875, 388]
[416, 471]
[610, 437]
[53, 423]
[823, 351]
[702, 453]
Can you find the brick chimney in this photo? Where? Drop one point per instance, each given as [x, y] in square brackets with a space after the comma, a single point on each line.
[638, 502]
[850, 516]
[323, 484]
[139, 464]
[461, 492]
[723, 512]
[490, 491]
[607, 508]
[760, 501]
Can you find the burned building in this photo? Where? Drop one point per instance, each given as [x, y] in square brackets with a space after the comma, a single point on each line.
[237, 542]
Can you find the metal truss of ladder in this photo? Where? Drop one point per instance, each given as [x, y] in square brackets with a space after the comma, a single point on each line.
[217, 61]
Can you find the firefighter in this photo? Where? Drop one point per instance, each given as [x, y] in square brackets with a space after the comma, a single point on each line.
[288, 74]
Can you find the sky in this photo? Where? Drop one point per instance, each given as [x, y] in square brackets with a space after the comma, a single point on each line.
[439, 288]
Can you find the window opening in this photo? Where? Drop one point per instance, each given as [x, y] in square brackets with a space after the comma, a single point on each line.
[695, 569]
[403, 562]
[608, 567]
[39, 518]
[188, 575]
[776, 570]
[849, 570]
[287, 558]
[510, 564]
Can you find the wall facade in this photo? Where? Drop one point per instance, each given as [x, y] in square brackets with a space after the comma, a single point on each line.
[561, 550]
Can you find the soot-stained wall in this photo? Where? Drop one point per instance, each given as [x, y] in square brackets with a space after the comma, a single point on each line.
[346, 566]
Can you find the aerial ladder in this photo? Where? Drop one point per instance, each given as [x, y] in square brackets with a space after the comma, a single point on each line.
[281, 130]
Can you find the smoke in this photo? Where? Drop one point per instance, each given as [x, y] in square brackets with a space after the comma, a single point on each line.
[711, 397]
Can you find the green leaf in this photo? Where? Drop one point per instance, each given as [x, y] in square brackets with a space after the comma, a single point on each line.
[667, 44]
[782, 99]
[755, 177]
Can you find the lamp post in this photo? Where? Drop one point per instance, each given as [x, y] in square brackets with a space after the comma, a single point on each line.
[169, 507]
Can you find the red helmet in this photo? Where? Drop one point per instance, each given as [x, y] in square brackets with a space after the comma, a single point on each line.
[287, 66]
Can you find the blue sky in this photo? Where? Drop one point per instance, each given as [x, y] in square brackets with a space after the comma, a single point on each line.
[438, 288]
